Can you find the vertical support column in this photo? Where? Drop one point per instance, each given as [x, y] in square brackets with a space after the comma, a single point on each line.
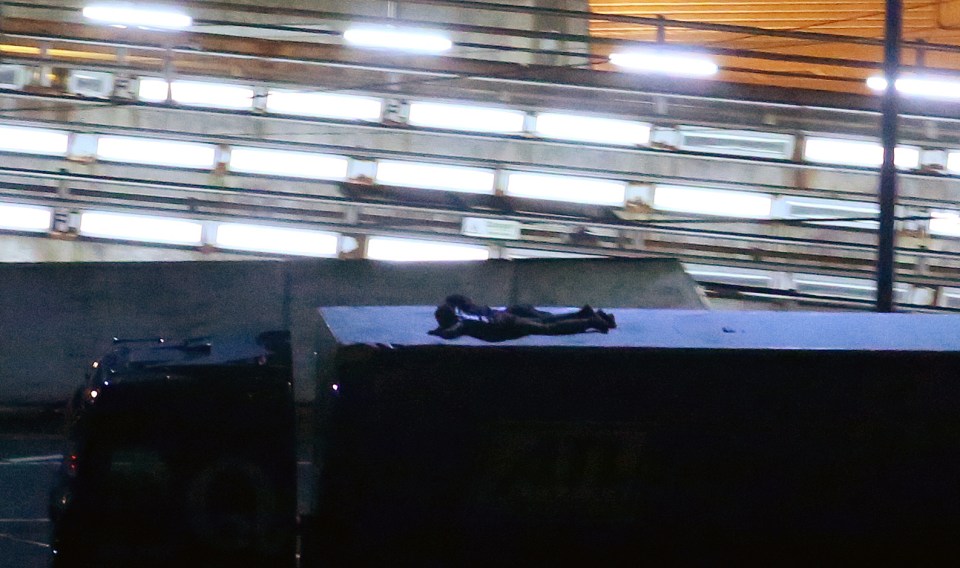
[886, 265]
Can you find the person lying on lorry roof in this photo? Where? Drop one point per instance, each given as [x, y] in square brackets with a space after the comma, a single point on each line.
[458, 316]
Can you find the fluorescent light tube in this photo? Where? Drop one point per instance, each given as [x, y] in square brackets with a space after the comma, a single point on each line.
[953, 162]
[929, 87]
[466, 117]
[28, 140]
[704, 201]
[401, 40]
[857, 153]
[665, 61]
[590, 191]
[171, 153]
[165, 230]
[282, 240]
[127, 15]
[24, 217]
[432, 176]
[946, 223]
[591, 129]
[286, 163]
[197, 93]
[406, 250]
[325, 105]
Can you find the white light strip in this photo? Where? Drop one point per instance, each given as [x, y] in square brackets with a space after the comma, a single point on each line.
[407, 250]
[197, 93]
[946, 223]
[929, 87]
[145, 228]
[666, 62]
[953, 162]
[24, 217]
[857, 153]
[28, 140]
[591, 129]
[432, 176]
[466, 117]
[326, 105]
[282, 240]
[141, 17]
[289, 164]
[171, 153]
[401, 40]
[590, 191]
[705, 201]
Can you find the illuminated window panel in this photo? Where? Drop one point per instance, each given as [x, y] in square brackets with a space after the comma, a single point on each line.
[324, 105]
[945, 223]
[953, 162]
[704, 201]
[281, 240]
[581, 128]
[27, 140]
[432, 176]
[466, 117]
[144, 228]
[24, 217]
[857, 153]
[172, 153]
[265, 161]
[590, 191]
[197, 93]
[728, 275]
[411, 250]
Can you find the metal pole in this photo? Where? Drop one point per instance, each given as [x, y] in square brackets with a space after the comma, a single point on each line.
[888, 172]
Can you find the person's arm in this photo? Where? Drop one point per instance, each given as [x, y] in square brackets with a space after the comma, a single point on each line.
[452, 332]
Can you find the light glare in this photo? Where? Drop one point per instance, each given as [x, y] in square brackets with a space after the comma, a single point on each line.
[326, 105]
[282, 240]
[466, 117]
[140, 17]
[197, 93]
[591, 129]
[172, 153]
[151, 229]
[590, 191]
[402, 40]
[410, 250]
[857, 153]
[28, 140]
[711, 201]
[24, 217]
[669, 63]
[432, 176]
[946, 223]
[289, 164]
[929, 87]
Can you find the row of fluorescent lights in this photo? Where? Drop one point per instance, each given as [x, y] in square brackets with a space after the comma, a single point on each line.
[233, 236]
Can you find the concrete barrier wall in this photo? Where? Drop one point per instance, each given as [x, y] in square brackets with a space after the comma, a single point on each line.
[57, 317]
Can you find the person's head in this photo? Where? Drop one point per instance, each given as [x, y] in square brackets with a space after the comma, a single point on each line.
[446, 316]
[458, 301]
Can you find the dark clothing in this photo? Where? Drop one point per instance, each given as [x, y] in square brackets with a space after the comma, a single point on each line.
[489, 324]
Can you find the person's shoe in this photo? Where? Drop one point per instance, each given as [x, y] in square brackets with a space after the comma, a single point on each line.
[586, 311]
[607, 317]
[599, 324]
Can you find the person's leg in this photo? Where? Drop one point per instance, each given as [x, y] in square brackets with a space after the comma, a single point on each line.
[563, 327]
[530, 312]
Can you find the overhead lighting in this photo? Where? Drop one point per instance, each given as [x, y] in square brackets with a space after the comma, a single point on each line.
[401, 40]
[946, 223]
[326, 105]
[666, 62]
[591, 129]
[590, 191]
[197, 93]
[466, 117]
[165, 230]
[27, 140]
[24, 217]
[285, 163]
[171, 153]
[930, 87]
[857, 153]
[407, 250]
[282, 240]
[705, 201]
[432, 176]
[127, 15]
